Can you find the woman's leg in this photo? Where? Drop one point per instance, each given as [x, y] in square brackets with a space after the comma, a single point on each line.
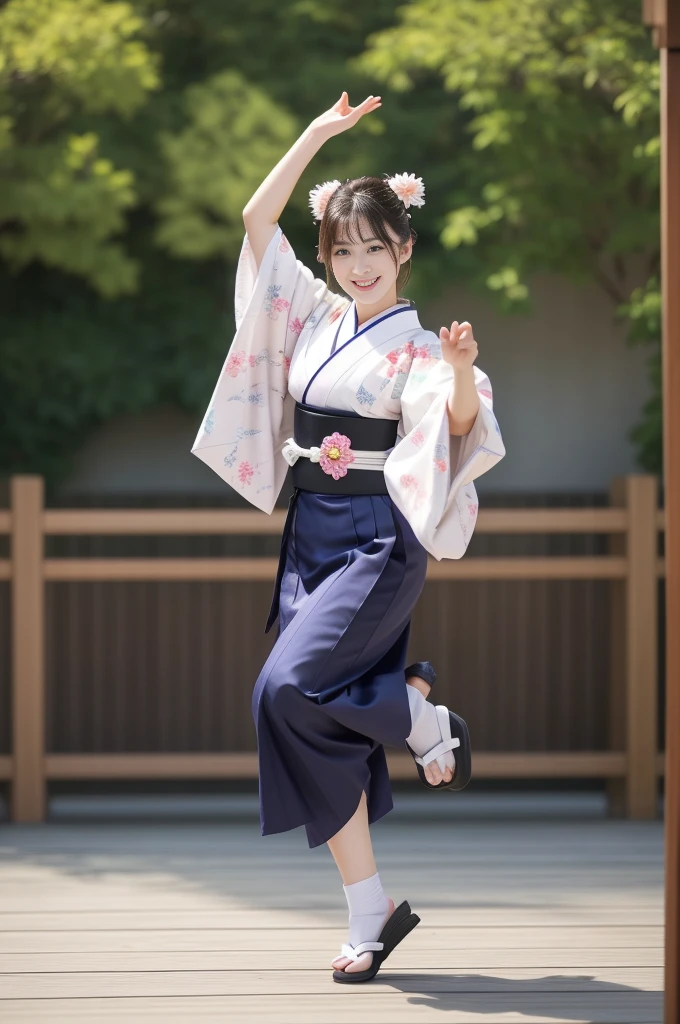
[352, 851]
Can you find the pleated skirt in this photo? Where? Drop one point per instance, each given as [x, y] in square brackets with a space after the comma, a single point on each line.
[332, 692]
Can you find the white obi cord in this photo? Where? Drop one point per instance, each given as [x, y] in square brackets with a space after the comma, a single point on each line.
[292, 451]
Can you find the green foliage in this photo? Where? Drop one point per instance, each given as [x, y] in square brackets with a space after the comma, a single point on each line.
[560, 158]
[233, 137]
[644, 315]
[62, 201]
[132, 132]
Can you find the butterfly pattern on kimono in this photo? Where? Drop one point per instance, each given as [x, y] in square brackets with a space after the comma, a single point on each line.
[296, 340]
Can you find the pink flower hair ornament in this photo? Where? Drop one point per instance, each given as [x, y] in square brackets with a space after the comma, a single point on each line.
[407, 187]
[319, 196]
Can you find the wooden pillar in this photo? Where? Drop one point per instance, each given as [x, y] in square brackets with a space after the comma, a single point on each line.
[664, 17]
[670, 209]
[28, 647]
[633, 702]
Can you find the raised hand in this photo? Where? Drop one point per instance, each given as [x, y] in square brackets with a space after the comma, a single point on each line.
[342, 116]
[459, 348]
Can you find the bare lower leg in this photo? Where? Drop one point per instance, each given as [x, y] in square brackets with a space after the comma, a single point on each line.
[352, 849]
[433, 772]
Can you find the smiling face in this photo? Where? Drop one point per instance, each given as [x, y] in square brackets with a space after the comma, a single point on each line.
[365, 241]
[366, 268]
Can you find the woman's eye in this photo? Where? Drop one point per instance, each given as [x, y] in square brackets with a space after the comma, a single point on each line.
[340, 252]
[378, 247]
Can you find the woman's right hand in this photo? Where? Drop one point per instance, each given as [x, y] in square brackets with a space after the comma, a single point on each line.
[341, 116]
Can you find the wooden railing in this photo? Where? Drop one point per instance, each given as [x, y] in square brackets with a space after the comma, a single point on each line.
[631, 767]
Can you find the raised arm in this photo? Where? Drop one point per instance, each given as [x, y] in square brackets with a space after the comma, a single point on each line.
[262, 211]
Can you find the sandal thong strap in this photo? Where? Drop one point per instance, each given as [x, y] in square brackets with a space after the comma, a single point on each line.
[441, 748]
[354, 952]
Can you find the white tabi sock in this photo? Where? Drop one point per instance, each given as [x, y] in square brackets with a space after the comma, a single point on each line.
[368, 909]
[425, 732]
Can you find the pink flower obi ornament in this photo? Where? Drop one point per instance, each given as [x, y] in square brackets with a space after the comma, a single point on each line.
[336, 455]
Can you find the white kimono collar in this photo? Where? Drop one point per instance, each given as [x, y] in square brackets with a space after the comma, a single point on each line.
[397, 319]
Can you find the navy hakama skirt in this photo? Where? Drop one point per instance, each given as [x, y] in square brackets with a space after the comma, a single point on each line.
[332, 691]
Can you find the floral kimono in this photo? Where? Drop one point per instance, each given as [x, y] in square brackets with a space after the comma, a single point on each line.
[332, 691]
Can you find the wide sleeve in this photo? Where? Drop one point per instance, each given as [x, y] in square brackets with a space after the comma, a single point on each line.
[429, 473]
[250, 413]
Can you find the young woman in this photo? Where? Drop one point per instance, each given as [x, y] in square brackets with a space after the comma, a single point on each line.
[385, 427]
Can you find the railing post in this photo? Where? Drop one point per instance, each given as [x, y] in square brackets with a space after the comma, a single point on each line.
[641, 647]
[616, 731]
[28, 650]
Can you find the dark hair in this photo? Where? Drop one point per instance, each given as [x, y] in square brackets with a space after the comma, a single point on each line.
[374, 200]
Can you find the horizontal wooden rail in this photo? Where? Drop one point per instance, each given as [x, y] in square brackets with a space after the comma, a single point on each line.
[153, 522]
[560, 568]
[491, 765]
[555, 765]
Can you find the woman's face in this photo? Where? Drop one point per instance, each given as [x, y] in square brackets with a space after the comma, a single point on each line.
[366, 271]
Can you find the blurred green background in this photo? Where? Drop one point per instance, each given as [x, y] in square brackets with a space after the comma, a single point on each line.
[133, 133]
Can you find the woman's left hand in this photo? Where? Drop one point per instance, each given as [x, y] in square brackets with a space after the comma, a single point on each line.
[459, 348]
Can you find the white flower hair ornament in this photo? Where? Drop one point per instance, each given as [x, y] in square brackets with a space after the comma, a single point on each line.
[408, 188]
[319, 196]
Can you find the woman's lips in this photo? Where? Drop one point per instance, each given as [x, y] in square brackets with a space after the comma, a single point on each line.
[365, 287]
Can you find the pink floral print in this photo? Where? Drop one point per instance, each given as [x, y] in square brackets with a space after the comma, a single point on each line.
[413, 489]
[399, 359]
[418, 438]
[284, 244]
[472, 509]
[336, 455]
[295, 326]
[245, 472]
[235, 363]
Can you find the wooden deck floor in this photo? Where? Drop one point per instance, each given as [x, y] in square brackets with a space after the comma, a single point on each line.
[522, 921]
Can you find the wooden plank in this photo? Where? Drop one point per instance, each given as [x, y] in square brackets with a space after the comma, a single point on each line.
[295, 955]
[597, 944]
[5, 521]
[237, 521]
[162, 521]
[567, 764]
[518, 568]
[179, 918]
[6, 766]
[5, 569]
[405, 1005]
[111, 984]
[641, 648]
[28, 647]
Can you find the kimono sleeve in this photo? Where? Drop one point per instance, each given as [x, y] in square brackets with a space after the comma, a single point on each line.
[250, 413]
[429, 473]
